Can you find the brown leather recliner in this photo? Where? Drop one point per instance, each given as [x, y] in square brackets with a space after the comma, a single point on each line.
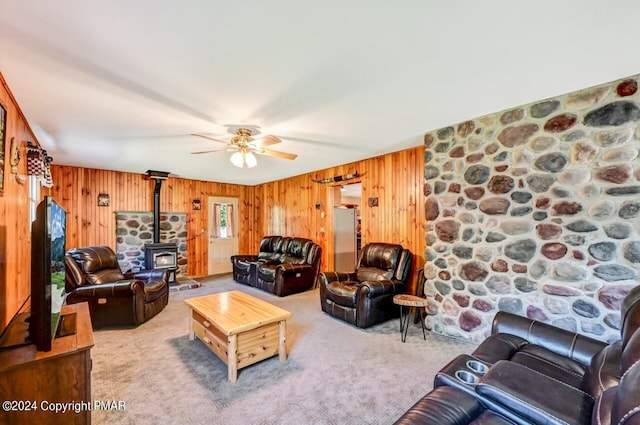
[365, 297]
[115, 299]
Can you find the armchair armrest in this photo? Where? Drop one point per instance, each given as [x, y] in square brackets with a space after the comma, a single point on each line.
[375, 288]
[105, 290]
[149, 275]
[328, 277]
[566, 343]
[248, 258]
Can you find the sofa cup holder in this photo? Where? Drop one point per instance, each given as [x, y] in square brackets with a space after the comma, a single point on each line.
[477, 367]
[466, 377]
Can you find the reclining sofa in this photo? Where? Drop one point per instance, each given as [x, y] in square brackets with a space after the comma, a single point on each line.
[115, 298]
[283, 265]
[528, 372]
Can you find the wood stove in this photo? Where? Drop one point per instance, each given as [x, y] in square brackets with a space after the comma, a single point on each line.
[162, 256]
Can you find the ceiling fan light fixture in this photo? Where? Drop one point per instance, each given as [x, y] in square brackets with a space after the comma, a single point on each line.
[243, 159]
[250, 159]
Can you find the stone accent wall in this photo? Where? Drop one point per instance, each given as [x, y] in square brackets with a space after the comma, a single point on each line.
[536, 211]
[135, 228]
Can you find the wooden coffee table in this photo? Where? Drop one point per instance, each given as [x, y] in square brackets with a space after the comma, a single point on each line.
[238, 328]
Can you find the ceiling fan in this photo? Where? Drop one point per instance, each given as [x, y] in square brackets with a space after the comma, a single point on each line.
[244, 147]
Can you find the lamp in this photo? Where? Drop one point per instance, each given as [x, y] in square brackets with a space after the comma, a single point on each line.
[244, 158]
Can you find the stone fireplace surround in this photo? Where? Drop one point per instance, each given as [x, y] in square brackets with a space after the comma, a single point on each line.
[535, 210]
[134, 229]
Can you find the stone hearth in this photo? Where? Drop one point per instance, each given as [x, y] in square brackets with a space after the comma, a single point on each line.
[134, 229]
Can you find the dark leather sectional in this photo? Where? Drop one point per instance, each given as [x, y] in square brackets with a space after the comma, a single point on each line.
[528, 372]
[283, 265]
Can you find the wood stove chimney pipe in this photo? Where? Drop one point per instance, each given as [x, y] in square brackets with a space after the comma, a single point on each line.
[158, 176]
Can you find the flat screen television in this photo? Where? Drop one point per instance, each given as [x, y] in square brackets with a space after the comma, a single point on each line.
[48, 247]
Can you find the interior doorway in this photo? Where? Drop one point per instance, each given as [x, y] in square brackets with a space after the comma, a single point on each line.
[223, 233]
[346, 226]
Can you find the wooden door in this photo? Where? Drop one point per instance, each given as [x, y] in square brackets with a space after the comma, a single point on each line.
[223, 233]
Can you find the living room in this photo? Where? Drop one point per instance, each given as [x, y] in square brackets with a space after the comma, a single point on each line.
[530, 210]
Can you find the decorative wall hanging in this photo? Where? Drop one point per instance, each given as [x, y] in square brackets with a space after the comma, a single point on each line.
[14, 158]
[3, 120]
[196, 204]
[39, 164]
[373, 202]
[104, 200]
[339, 178]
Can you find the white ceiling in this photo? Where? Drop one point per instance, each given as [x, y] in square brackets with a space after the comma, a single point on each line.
[121, 84]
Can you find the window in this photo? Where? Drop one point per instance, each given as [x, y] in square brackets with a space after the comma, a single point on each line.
[224, 227]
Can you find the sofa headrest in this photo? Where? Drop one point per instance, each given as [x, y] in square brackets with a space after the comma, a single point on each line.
[95, 258]
[382, 256]
[299, 247]
[269, 243]
[98, 263]
[283, 245]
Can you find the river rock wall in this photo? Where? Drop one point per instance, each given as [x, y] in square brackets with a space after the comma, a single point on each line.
[535, 210]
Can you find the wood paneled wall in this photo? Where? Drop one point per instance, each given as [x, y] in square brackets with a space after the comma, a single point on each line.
[15, 225]
[77, 189]
[395, 179]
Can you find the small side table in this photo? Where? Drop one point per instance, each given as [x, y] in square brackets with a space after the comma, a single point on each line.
[412, 303]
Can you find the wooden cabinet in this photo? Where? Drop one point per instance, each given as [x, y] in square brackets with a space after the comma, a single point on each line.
[43, 381]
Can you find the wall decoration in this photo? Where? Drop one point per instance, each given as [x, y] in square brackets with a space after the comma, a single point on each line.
[196, 204]
[339, 178]
[39, 164]
[3, 120]
[14, 161]
[104, 200]
[373, 202]
[14, 156]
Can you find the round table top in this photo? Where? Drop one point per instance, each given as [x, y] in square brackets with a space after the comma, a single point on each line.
[410, 300]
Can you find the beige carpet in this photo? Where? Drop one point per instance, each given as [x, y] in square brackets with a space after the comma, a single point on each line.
[335, 374]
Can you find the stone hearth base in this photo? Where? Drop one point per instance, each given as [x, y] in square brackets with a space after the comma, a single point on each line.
[184, 284]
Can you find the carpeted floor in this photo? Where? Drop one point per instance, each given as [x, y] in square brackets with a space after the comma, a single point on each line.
[335, 374]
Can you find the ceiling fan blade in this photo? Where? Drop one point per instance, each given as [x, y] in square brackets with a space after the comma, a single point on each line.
[215, 150]
[267, 140]
[277, 154]
[209, 138]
